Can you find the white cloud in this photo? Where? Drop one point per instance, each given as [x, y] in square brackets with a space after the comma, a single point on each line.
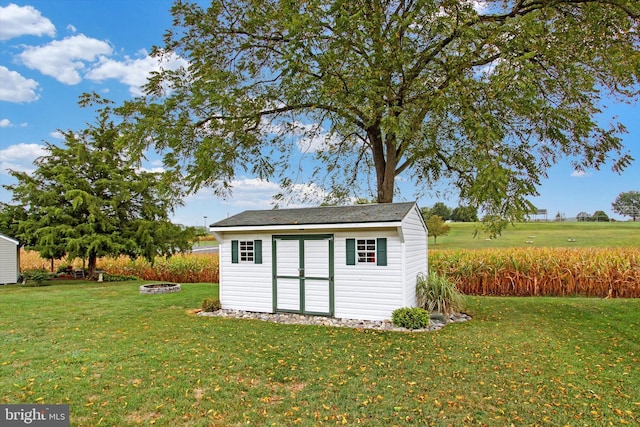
[579, 174]
[133, 72]
[20, 157]
[56, 134]
[63, 59]
[255, 193]
[480, 6]
[314, 137]
[17, 21]
[151, 170]
[311, 137]
[306, 194]
[15, 88]
[5, 123]
[72, 29]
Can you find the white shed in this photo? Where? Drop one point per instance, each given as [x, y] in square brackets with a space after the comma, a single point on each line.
[9, 260]
[356, 262]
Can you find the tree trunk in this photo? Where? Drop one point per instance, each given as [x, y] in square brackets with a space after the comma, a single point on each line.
[91, 270]
[385, 166]
[385, 194]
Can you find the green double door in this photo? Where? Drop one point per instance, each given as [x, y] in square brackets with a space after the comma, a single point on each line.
[303, 274]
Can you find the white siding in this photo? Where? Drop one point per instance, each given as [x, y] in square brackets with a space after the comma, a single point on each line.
[368, 291]
[361, 291]
[415, 258]
[8, 261]
[246, 286]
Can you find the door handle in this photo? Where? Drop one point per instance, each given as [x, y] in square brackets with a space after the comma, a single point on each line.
[301, 272]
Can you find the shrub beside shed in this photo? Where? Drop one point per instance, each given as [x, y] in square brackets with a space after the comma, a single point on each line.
[356, 262]
[9, 260]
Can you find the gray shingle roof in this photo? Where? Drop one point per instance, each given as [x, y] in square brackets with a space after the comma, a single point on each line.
[384, 212]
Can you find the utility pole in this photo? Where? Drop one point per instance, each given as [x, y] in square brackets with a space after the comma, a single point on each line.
[204, 231]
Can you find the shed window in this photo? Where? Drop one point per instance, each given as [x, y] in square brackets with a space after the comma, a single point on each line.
[249, 251]
[246, 251]
[367, 251]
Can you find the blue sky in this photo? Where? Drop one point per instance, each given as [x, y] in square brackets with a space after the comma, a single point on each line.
[53, 51]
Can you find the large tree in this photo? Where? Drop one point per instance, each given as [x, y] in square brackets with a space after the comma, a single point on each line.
[485, 95]
[442, 210]
[87, 200]
[465, 214]
[627, 204]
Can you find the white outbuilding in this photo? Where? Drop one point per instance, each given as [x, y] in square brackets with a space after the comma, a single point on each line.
[355, 262]
[9, 260]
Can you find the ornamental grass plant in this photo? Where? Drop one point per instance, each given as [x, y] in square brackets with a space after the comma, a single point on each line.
[437, 294]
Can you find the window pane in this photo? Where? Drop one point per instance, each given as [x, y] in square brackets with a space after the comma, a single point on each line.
[246, 251]
[366, 250]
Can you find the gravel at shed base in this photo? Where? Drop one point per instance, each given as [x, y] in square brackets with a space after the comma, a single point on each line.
[302, 319]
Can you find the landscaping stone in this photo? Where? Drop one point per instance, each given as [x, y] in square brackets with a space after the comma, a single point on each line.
[302, 319]
[159, 288]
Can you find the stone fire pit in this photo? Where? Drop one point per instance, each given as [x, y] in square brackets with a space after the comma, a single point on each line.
[159, 288]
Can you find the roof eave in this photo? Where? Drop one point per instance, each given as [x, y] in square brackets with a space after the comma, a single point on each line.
[305, 227]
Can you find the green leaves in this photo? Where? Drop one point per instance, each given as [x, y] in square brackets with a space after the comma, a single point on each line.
[86, 200]
[437, 227]
[487, 100]
[410, 318]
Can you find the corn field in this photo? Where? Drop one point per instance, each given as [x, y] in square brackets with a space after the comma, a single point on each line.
[610, 272]
[187, 268]
[613, 272]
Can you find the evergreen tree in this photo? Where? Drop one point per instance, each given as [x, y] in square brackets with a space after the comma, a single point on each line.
[465, 214]
[87, 200]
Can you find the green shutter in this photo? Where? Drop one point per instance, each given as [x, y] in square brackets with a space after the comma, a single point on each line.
[257, 254]
[234, 251]
[351, 251]
[381, 248]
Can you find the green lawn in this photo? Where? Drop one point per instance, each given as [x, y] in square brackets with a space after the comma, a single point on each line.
[120, 358]
[205, 244]
[544, 234]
